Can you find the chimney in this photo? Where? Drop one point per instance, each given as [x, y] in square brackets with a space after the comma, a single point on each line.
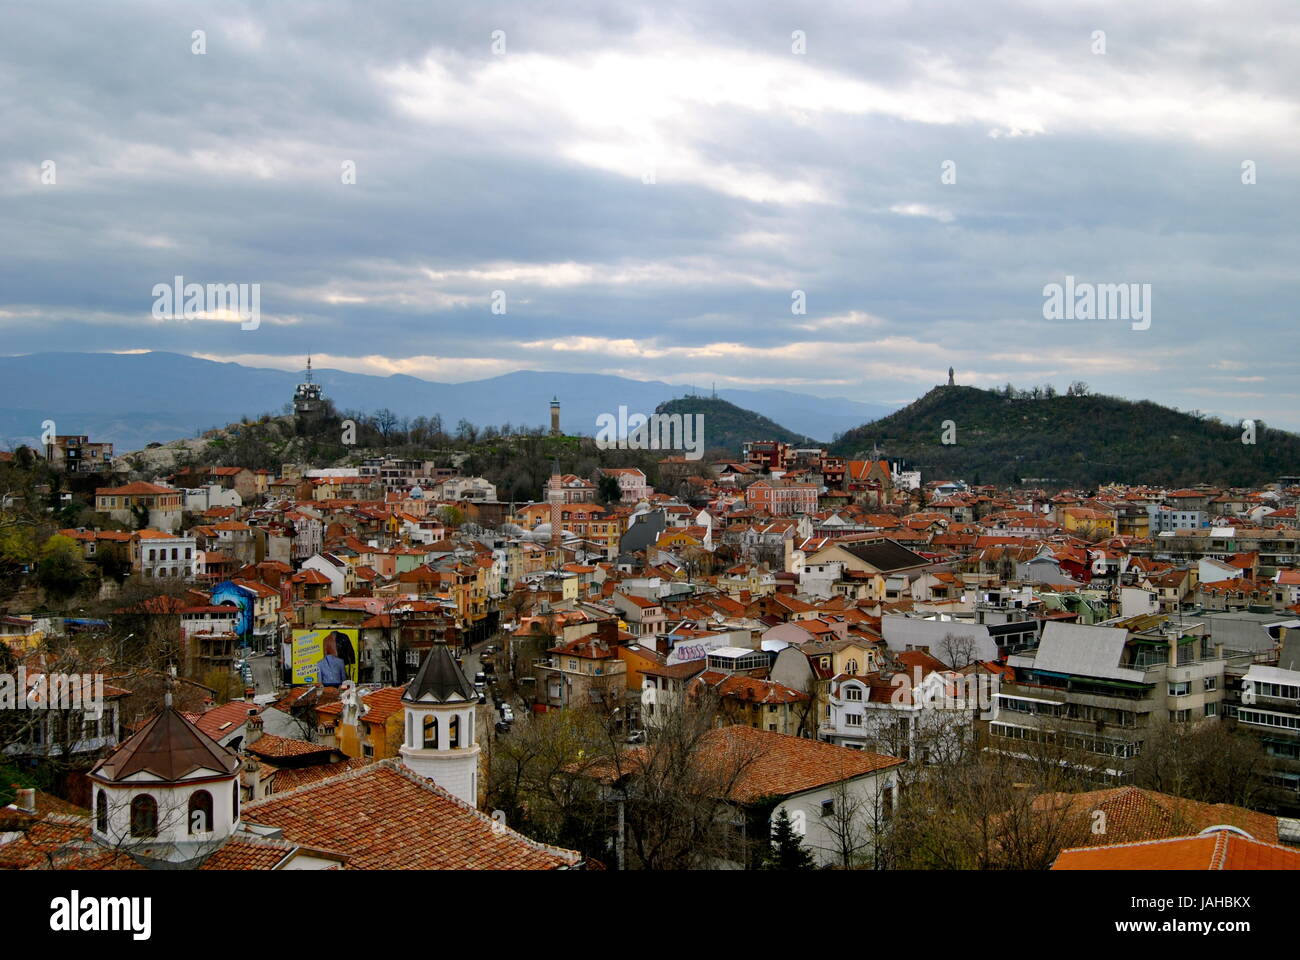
[255, 724]
[25, 800]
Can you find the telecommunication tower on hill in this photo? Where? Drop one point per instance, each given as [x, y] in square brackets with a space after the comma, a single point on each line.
[308, 402]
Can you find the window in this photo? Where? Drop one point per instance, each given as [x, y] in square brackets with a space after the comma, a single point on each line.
[1180, 716]
[1212, 709]
[200, 812]
[851, 667]
[828, 808]
[367, 751]
[1278, 691]
[412, 658]
[1180, 689]
[101, 811]
[853, 693]
[1264, 718]
[853, 719]
[430, 732]
[144, 816]
[453, 731]
[234, 802]
[1211, 683]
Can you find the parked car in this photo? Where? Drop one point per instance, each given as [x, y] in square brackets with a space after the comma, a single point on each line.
[482, 694]
[480, 678]
[507, 713]
[491, 648]
[503, 727]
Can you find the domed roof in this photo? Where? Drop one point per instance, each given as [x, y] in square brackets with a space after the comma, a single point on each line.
[169, 747]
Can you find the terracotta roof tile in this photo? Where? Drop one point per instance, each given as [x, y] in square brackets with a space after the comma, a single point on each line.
[383, 816]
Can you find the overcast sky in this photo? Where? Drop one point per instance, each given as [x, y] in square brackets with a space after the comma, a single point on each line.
[524, 170]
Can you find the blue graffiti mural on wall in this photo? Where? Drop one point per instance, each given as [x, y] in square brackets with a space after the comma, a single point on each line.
[232, 593]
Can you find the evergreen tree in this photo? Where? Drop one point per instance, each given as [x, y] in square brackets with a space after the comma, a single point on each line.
[787, 851]
[609, 490]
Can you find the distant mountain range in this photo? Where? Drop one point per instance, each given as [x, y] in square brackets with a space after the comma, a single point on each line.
[1073, 440]
[135, 399]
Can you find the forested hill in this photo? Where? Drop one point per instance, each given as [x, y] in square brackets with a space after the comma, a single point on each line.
[1072, 440]
[727, 426]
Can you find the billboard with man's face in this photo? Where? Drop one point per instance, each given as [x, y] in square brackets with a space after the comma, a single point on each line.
[326, 655]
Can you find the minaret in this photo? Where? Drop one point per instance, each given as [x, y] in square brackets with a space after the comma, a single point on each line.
[555, 494]
[439, 743]
[555, 416]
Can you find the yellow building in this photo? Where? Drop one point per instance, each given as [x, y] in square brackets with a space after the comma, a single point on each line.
[376, 733]
[1088, 524]
[21, 634]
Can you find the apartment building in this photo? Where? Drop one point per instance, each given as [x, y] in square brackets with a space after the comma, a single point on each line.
[1093, 694]
[75, 453]
[1264, 701]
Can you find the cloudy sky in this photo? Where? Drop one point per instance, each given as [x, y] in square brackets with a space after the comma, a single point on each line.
[648, 184]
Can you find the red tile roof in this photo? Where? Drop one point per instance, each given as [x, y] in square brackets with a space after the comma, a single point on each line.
[383, 816]
[1218, 850]
[767, 764]
[272, 747]
[220, 721]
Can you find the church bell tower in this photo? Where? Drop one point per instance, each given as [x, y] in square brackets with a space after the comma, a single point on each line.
[439, 741]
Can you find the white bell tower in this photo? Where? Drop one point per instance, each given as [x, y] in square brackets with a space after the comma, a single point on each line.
[440, 741]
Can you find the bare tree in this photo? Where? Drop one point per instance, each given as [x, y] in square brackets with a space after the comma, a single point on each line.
[1206, 762]
[957, 650]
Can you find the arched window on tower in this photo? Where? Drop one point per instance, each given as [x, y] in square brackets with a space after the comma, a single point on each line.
[453, 731]
[410, 729]
[234, 801]
[101, 811]
[144, 816]
[200, 812]
[430, 732]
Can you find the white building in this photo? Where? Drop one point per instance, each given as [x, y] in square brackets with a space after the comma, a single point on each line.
[161, 555]
[198, 499]
[469, 488]
[920, 713]
[169, 793]
[439, 741]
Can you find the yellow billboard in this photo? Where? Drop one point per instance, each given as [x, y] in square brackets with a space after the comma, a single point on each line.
[326, 655]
